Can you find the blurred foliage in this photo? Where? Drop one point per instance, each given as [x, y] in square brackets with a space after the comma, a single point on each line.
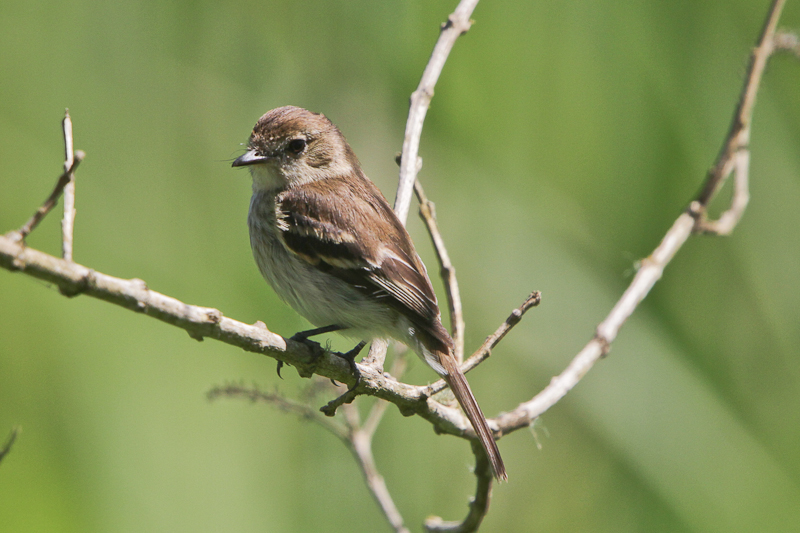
[563, 140]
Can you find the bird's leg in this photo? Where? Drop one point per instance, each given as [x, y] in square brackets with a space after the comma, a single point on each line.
[350, 357]
[302, 336]
[330, 408]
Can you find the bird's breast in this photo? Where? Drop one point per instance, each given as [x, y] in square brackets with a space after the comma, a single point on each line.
[321, 298]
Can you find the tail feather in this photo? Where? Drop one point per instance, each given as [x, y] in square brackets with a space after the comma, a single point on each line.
[458, 384]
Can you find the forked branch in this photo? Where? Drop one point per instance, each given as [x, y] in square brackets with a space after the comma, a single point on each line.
[200, 322]
[734, 157]
[65, 184]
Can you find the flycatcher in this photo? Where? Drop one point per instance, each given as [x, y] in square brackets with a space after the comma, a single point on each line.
[330, 245]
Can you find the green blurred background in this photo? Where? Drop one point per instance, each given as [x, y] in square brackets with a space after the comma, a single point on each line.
[563, 140]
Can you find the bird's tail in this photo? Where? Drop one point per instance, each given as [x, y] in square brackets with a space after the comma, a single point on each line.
[458, 384]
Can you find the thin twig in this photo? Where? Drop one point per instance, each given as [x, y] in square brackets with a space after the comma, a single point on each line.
[360, 444]
[362, 449]
[206, 322]
[9, 443]
[427, 211]
[650, 272]
[20, 234]
[355, 437]
[379, 407]
[478, 506]
[281, 402]
[202, 322]
[377, 354]
[68, 222]
[483, 353]
[733, 157]
[457, 24]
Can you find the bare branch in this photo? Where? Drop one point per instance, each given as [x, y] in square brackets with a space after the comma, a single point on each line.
[483, 353]
[377, 354]
[733, 157]
[360, 444]
[201, 322]
[479, 505]
[68, 221]
[283, 403]
[355, 437]
[427, 211]
[19, 235]
[649, 273]
[379, 407]
[728, 220]
[457, 24]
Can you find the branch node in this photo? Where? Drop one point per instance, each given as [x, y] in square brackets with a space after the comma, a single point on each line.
[411, 410]
[423, 93]
[213, 316]
[17, 264]
[72, 290]
[458, 22]
[696, 210]
[605, 346]
[15, 236]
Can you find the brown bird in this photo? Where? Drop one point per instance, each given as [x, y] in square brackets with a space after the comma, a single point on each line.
[330, 245]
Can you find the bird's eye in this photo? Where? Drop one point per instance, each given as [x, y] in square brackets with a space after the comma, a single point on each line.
[296, 146]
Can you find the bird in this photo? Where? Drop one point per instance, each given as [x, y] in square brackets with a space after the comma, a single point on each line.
[327, 241]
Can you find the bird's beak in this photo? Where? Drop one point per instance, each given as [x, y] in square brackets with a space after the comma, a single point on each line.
[250, 157]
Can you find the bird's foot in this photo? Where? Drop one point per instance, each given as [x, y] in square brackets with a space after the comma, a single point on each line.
[350, 358]
[315, 347]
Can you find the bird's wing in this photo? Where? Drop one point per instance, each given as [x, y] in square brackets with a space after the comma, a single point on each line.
[347, 229]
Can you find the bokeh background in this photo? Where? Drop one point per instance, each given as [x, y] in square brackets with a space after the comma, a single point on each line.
[563, 140]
